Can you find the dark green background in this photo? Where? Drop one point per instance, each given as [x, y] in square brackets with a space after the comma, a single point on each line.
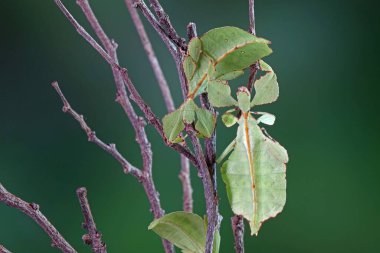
[326, 57]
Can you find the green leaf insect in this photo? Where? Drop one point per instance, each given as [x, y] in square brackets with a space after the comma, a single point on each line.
[221, 54]
[266, 88]
[188, 113]
[173, 124]
[186, 231]
[254, 173]
[229, 119]
[219, 94]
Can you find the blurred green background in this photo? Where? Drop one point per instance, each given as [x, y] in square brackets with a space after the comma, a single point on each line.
[326, 57]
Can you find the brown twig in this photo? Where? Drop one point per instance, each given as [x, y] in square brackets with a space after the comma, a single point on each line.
[140, 4]
[209, 192]
[121, 96]
[252, 29]
[3, 249]
[110, 148]
[32, 210]
[94, 237]
[145, 176]
[238, 230]
[185, 171]
[176, 52]
[207, 178]
[191, 30]
[199, 160]
[164, 20]
[251, 9]
[187, 190]
[151, 56]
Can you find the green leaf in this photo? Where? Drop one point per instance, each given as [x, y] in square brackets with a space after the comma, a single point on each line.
[205, 122]
[179, 139]
[233, 49]
[189, 111]
[229, 119]
[219, 94]
[254, 175]
[266, 118]
[198, 82]
[231, 75]
[195, 48]
[216, 245]
[244, 98]
[267, 90]
[189, 67]
[228, 150]
[173, 124]
[184, 230]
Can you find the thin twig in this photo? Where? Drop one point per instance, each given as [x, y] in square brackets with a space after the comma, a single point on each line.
[175, 51]
[251, 9]
[187, 190]
[32, 210]
[3, 249]
[164, 20]
[191, 30]
[185, 171]
[94, 237]
[110, 148]
[140, 4]
[252, 29]
[238, 230]
[151, 56]
[209, 192]
[121, 97]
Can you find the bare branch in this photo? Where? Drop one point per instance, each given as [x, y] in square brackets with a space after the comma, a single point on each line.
[32, 210]
[121, 96]
[151, 56]
[251, 8]
[187, 190]
[3, 249]
[252, 30]
[238, 230]
[164, 20]
[198, 160]
[191, 30]
[110, 148]
[209, 192]
[94, 237]
[83, 33]
[185, 171]
[157, 26]
[176, 52]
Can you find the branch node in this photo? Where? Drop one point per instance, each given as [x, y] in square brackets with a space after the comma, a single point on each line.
[34, 206]
[87, 239]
